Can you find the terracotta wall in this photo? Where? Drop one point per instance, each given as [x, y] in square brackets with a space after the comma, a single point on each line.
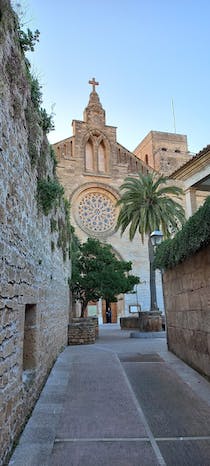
[187, 304]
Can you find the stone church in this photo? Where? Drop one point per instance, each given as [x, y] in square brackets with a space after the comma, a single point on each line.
[92, 165]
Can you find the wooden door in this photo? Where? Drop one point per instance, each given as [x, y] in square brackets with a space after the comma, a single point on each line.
[114, 312]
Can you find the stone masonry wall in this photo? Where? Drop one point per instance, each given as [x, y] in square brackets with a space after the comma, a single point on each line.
[81, 332]
[165, 152]
[34, 295]
[187, 304]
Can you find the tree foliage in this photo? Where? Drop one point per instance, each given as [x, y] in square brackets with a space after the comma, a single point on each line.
[145, 206]
[98, 273]
[194, 235]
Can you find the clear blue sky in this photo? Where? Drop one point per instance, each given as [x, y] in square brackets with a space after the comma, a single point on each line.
[144, 53]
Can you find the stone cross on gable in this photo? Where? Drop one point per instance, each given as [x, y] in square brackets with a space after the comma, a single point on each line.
[94, 83]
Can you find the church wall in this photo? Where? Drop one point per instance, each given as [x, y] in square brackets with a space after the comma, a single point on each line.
[145, 150]
[167, 162]
[133, 251]
[77, 181]
[34, 293]
[171, 141]
[165, 152]
[162, 151]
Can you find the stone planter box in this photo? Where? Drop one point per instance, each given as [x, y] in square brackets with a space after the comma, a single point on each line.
[81, 332]
[93, 319]
[95, 322]
[146, 322]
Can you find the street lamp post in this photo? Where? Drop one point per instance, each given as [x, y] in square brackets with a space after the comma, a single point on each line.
[156, 238]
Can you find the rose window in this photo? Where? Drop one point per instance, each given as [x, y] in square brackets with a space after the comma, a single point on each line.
[97, 212]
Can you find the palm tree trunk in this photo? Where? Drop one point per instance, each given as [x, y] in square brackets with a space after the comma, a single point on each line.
[153, 295]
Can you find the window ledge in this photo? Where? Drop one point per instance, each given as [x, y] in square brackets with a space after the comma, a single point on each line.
[100, 175]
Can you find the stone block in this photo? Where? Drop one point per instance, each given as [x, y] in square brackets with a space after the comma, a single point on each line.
[81, 333]
[93, 319]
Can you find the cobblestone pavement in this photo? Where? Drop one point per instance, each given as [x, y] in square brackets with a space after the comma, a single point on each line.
[120, 402]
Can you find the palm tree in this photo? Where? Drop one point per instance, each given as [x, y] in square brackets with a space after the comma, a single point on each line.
[145, 206]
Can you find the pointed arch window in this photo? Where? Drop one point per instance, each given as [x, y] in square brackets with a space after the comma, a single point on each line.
[101, 158]
[89, 161]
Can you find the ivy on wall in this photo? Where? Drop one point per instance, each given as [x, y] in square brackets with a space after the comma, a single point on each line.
[194, 235]
[50, 193]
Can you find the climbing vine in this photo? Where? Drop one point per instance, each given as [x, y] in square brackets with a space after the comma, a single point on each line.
[49, 194]
[194, 235]
[47, 123]
[28, 39]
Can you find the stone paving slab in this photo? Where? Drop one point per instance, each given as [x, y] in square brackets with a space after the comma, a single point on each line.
[186, 453]
[98, 400]
[32, 454]
[103, 454]
[36, 442]
[92, 412]
[148, 334]
[138, 357]
[41, 428]
[169, 405]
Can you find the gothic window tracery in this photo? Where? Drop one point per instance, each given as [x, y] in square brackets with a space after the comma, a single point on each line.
[96, 154]
[97, 212]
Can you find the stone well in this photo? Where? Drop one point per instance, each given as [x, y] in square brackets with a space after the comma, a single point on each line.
[145, 322]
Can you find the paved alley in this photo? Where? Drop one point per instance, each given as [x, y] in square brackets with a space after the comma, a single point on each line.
[120, 402]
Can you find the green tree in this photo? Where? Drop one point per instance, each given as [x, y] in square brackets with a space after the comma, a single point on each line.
[145, 206]
[98, 273]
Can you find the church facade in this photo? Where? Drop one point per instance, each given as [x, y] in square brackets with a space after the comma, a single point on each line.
[92, 166]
